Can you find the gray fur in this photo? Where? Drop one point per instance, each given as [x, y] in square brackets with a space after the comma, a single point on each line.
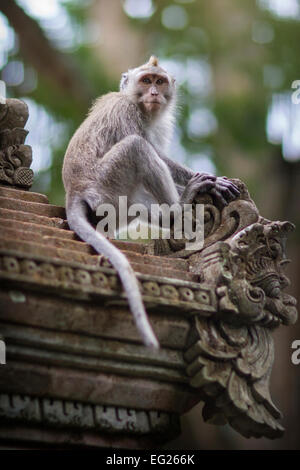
[120, 149]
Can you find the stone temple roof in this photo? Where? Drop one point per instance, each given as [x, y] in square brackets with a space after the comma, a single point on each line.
[76, 371]
[30, 224]
[48, 275]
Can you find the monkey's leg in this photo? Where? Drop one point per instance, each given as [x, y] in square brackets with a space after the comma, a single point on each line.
[128, 164]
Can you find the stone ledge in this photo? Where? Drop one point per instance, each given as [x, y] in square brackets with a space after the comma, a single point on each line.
[83, 416]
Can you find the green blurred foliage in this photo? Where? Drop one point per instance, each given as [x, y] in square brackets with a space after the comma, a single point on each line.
[237, 40]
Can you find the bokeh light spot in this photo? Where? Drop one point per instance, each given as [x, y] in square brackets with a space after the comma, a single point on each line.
[140, 9]
[174, 17]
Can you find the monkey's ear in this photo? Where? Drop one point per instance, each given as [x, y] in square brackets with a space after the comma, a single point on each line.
[124, 81]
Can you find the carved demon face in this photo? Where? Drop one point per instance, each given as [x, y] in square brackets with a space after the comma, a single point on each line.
[253, 274]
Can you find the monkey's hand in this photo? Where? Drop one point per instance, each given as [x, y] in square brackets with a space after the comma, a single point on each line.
[224, 190]
[200, 183]
[221, 188]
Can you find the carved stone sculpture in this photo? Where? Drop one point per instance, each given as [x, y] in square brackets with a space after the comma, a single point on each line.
[231, 354]
[15, 157]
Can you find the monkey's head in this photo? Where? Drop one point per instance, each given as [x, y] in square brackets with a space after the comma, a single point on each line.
[149, 86]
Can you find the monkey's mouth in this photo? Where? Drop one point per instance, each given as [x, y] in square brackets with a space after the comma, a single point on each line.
[153, 105]
[152, 102]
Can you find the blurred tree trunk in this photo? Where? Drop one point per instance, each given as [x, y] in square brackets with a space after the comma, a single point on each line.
[55, 66]
[120, 46]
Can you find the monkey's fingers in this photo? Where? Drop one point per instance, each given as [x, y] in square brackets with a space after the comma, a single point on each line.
[195, 187]
[227, 192]
[223, 181]
[217, 194]
[204, 186]
[203, 177]
[231, 188]
[235, 190]
[200, 187]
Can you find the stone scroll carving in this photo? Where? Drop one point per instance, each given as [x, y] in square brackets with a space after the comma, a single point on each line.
[15, 157]
[230, 355]
[219, 222]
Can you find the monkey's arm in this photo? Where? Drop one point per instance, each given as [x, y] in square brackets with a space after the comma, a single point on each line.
[180, 173]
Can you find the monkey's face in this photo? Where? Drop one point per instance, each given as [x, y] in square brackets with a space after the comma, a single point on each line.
[153, 91]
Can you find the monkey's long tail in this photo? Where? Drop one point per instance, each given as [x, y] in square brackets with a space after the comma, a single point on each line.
[78, 221]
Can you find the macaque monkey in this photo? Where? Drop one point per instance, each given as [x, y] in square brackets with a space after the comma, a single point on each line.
[120, 150]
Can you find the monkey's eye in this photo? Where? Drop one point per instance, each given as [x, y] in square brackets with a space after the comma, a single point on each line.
[160, 81]
[146, 80]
